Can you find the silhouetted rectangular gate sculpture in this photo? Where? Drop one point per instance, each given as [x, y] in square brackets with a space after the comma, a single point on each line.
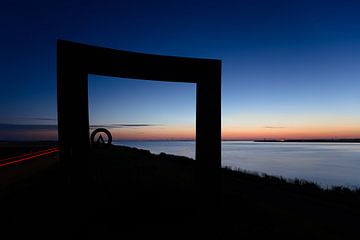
[75, 61]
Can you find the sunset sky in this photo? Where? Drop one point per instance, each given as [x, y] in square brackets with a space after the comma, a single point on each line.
[290, 69]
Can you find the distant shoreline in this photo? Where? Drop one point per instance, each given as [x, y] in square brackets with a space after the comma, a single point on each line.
[352, 140]
[357, 140]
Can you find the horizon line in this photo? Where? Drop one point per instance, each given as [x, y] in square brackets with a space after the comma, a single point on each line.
[188, 140]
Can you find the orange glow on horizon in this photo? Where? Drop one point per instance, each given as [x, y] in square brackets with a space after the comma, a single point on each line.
[154, 133]
[239, 133]
[310, 132]
[234, 132]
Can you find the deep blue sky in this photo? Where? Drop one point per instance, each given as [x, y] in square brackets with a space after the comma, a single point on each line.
[287, 65]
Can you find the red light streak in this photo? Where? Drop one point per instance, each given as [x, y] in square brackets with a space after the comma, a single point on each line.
[29, 156]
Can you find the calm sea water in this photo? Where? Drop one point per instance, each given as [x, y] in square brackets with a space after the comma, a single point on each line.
[327, 164]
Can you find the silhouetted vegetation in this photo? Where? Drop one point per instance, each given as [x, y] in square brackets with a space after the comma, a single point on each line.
[143, 194]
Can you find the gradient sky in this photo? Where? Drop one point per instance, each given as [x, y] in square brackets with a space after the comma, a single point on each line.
[291, 69]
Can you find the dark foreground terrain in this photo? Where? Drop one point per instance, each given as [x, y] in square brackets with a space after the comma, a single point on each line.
[139, 195]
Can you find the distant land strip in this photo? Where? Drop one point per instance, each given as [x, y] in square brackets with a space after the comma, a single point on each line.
[347, 140]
